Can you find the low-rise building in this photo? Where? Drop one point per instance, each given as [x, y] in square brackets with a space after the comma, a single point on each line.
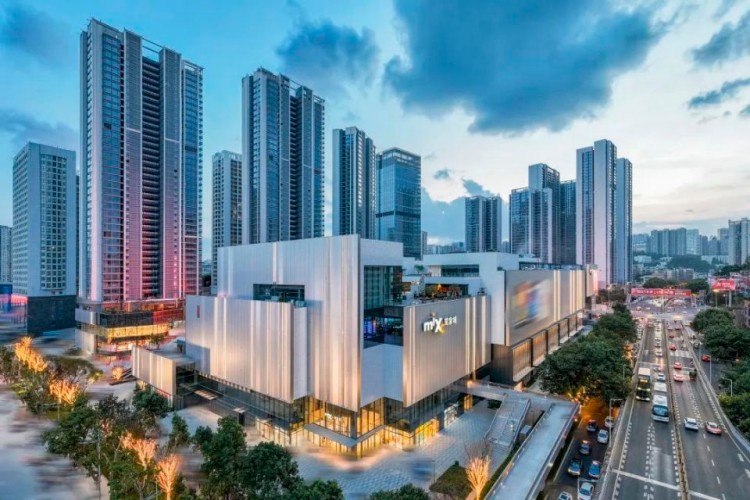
[316, 340]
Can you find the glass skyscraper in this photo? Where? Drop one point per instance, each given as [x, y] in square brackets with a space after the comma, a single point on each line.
[226, 207]
[604, 212]
[567, 245]
[283, 159]
[519, 221]
[483, 223]
[623, 272]
[141, 173]
[399, 215]
[355, 194]
[44, 235]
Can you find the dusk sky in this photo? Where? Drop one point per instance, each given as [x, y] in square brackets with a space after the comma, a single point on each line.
[479, 89]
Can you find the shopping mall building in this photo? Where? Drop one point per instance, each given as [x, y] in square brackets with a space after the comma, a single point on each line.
[328, 340]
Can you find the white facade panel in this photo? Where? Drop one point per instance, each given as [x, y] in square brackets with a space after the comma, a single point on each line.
[436, 356]
[156, 370]
[246, 342]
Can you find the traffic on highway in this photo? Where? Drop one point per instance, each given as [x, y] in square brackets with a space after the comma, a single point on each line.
[671, 440]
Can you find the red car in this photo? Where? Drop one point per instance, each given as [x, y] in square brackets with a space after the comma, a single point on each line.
[706, 358]
[713, 428]
[671, 335]
[678, 377]
[677, 365]
[672, 347]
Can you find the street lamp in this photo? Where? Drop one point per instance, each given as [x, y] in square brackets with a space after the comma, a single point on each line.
[731, 388]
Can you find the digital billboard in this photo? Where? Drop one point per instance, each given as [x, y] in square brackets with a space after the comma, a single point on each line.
[537, 299]
[724, 285]
[529, 303]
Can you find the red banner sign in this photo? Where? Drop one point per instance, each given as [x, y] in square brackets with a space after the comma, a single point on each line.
[724, 285]
[660, 292]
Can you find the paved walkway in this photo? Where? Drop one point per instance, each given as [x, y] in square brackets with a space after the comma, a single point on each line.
[534, 459]
[390, 468]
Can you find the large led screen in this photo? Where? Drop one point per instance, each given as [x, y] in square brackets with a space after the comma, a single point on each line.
[529, 297]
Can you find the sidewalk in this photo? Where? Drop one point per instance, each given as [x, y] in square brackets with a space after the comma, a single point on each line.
[535, 457]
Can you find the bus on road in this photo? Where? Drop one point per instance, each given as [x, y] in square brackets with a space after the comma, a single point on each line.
[643, 389]
[660, 408]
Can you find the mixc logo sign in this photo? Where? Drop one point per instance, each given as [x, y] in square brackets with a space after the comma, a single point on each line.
[438, 325]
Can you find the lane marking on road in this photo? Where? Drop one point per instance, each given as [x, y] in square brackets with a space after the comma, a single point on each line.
[718, 480]
[712, 462]
[702, 495]
[738, 455]
[747, 472]
[646, 479]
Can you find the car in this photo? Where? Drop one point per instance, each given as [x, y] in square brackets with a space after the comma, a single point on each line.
[575, 466]
[609, 422]
[671, 335]
[691, 424]
[713, 428]
[603, 436]
[586, 491]
[660, 377]
[592, 426]
[706, 358]
[677, 365]
[595, 469]
[585, 447]
[565, 496]
[658, 353]
[696, 344]
[672, 347]
[678, 377]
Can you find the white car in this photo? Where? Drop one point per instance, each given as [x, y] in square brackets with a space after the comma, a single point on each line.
[586, 491]
[659, 353]
[660, 377]
[609, 422]
[691, 424]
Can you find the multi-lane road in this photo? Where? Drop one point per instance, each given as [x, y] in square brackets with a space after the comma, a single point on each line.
[655, 460]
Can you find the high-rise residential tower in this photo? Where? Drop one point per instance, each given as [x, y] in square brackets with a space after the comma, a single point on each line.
[623, 271]
[226, 207]
[399, 215]
[595, 208]
[141, 176]
[44, 235]
[6, 253]
[693, 242]
[723, 236]
[738, 245]
[282, 159]
[519, 221]
[567, 246]
[544, 212]
[483, 226]
[355, 195]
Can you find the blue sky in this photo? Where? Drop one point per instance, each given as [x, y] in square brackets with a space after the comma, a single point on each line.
[480, 89]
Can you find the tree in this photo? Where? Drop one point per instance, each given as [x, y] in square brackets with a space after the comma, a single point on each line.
[620, 324]
[168, 474]
[319, 490]
[406, 492]
[727, 341]
[268, 471]
[711, 316]
[76, 370]
[150, 406]
[180, 435]
[694, 262]
[737, 409]
[656, 283]
[696, 285]
[478, 466]
[222, 451]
